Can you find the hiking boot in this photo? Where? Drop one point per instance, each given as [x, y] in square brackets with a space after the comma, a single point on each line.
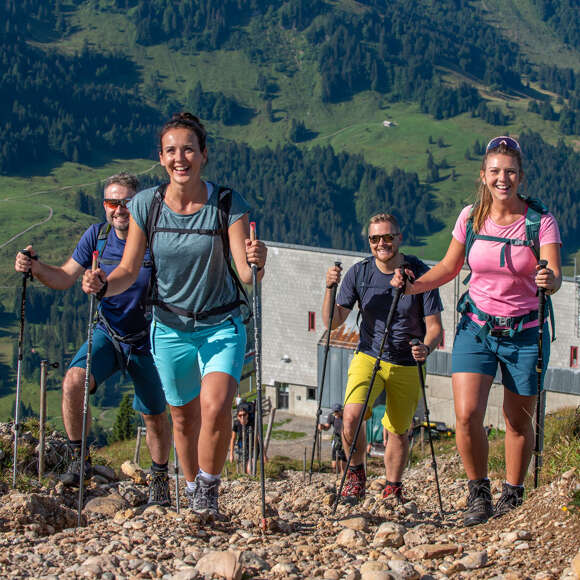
[72, 476]
[394, 492]
[158, 488]
[479, 505]
[511, 498]
[203, 498]
[354, 489]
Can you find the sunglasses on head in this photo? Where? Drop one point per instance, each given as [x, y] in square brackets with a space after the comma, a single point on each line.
[115, 203]
[508, 142]
[385, 237]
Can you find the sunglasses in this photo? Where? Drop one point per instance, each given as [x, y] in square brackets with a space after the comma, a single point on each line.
[509, 142]
[385, 237]
[115, 203]
[242, 414]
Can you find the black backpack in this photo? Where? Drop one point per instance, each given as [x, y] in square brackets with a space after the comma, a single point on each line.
[224, 206]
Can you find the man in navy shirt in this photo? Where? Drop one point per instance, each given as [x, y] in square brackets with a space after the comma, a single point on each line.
[368, 284]
[120, 339]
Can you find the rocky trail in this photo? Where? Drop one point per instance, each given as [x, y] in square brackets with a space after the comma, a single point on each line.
[375, 540]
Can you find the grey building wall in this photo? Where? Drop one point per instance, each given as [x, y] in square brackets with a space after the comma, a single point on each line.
[294, 285]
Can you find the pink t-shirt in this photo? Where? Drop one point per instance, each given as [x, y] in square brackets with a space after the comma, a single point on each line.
[509, 290]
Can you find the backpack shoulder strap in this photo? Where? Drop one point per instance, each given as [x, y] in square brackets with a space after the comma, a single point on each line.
[102, 238]
[533, 221]
[470, 236]
[153, 215]
[362, 280]
[224, 206]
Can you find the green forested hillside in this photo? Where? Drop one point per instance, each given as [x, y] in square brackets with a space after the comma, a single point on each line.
[295, 94]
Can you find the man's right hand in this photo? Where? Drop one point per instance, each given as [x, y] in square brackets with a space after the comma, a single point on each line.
[93, 281]
[23, 263]
[333, 276]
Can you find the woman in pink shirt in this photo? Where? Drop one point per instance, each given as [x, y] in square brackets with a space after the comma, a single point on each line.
[499, 325]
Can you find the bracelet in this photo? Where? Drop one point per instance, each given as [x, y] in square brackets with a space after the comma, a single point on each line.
[101, 293]
[428, 348]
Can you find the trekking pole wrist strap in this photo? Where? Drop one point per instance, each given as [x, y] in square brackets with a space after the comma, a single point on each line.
[101, 293]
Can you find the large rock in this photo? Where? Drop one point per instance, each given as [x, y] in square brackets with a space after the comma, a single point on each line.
[474, 560]
[224, 564]
[431, 551]
[107, 506]
[43, 514]
[357, 523]
[135, 472]
[351, 539]
[374, 570]
[389, 534]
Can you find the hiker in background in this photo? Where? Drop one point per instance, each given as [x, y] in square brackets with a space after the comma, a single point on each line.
[120, 339]
[499, 323]
[241, 444]
[334, 420]
[198, 335]
[368, 284]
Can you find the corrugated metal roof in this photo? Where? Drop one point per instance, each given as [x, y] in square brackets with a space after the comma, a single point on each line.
[346, 335]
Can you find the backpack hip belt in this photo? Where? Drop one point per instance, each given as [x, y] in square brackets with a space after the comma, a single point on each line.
[195, 316]
[513, 324]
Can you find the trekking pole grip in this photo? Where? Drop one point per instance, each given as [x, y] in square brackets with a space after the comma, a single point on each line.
[253, 231]
[27, 275]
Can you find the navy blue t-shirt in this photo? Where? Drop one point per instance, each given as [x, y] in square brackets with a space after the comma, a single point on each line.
[408, 320]
[125, 312]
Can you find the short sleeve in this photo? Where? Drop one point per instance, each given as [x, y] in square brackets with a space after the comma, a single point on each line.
[347, 294]
[432, 303]
[139, 206]
[549, 231]
[83, 253]
[239, 207]
[460, 229]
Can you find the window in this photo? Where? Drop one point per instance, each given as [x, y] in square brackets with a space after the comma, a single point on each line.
[573, 357]
[311, 393]
[311, 321]
[442, 343]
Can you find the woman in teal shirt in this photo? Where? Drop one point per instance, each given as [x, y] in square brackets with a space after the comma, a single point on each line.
[198, 338]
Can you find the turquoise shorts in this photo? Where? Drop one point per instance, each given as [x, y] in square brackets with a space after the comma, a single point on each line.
[184, 358]
[516, 355]
[149, 398]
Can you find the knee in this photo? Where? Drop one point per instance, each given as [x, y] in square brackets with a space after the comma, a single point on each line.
[466, 421]
[349, 423]
[156, 422]
[519, 426]
[73, 382]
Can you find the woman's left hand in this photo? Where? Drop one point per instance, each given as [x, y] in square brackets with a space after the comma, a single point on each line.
[256, 252]
[545, 278]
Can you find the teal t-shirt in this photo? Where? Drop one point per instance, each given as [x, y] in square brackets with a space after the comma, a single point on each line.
[192, 273]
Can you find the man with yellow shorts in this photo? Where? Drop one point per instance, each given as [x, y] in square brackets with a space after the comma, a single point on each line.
[367, 284]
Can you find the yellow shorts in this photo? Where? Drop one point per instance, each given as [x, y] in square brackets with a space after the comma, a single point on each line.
[401, 384]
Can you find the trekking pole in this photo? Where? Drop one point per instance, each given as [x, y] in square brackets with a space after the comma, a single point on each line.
[326, 349]
[17, 426]
[539, 369]
[396, 297]
[258, 359]
[417, 342]
[176, 469]
[92, 300]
